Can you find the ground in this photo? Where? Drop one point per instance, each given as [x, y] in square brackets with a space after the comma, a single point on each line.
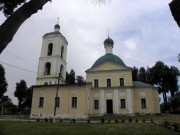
[17, 127]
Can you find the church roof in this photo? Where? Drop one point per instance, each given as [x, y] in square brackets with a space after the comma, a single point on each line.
[55, 33]
[108, 41]
[108, 58]
[141, 84]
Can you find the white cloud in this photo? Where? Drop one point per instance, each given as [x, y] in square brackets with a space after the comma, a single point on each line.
[130, 45]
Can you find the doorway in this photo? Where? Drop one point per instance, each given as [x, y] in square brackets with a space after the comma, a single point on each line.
[109, 106]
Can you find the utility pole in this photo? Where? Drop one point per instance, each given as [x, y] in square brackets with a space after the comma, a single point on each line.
[55, 104]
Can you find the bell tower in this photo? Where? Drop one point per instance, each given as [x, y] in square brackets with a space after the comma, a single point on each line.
[52, 61]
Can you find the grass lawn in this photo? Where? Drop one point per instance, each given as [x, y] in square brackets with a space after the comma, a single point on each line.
[159, 118]
[43, 128]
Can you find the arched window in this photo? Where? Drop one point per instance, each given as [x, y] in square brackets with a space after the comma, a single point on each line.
[61, 70]
[62, 51]
[50, 49]
[47, 68]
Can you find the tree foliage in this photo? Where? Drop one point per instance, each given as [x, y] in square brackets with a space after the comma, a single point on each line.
[21, 92]
[165, 78]
[80, 80]
[70, 77]
[3, 83]
[179, 57]
[28, 99]
[9, 6]
[142, 75]
[16, 18]
[135, 74]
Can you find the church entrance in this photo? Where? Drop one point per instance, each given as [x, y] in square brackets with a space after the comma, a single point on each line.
[109, 106]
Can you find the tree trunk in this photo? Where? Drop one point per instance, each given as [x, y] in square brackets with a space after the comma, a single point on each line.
[165, 98]
[9, 28]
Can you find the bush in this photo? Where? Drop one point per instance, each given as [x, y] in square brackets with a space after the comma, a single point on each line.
[152, 120]
[38, 120]
[136, 114]
[51, 119]
[144, 120]
[123, 121]
[46, 120]
[2, 130]
[88, 120]
[73, 120]
[116, 120]
[130, 120]
[176, 126]
[109, 121]
[102, 120]
[166, 124]
[60, 120]
[137, 120]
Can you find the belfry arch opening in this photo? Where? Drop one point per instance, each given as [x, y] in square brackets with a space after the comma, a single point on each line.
[62, 51]
[50, 49]
[47, 68]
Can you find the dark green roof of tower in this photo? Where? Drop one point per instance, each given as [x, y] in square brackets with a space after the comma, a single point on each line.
[108, 58]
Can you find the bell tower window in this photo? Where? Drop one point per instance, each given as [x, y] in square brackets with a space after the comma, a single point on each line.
[62, 51]
[50, 49]
[61, 70]
[47, 69]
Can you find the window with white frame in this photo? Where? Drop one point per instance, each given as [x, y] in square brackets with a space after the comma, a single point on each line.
[74, 102]
[121, 81]
[41, 102]
[123, 103]
[143, 103]
[108, 81]
[96, 83]
[96, 104]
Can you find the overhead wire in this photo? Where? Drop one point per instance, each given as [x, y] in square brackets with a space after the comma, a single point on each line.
[17, 67]
[19, 57]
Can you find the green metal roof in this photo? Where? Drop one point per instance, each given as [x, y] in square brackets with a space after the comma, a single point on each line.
[141, 84]
[108, 57]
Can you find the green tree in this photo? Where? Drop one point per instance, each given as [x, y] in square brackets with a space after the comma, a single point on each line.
[80, 80]
[179, 57]
[3, 83]
[159, 76]
[142, 75]
[165, 78]
[173, 80]
[70, 77]
[21, 93]
[135, 74]
[28, 99]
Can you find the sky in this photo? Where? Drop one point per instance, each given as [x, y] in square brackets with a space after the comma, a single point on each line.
[143, 32]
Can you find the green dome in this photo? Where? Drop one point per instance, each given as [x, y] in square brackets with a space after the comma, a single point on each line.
[108, 57]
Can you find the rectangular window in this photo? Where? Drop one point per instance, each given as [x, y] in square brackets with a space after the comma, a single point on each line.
[121, 81]
[123, 103]
[108, 82]
[41, 102]
[57, 101]
[143, 103]
[96, 104]
[96, 84]
[74, 102]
